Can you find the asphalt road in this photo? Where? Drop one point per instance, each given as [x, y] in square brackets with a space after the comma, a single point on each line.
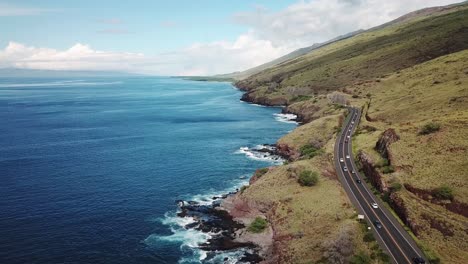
[391, 235]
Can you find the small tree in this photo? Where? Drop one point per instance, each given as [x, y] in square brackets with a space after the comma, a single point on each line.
[443, 192]
[388, 169]
[310, 151]
[260, 172]
[395, 187]
[429, 128]
[258, 225]
[361, 258]
[308, 178]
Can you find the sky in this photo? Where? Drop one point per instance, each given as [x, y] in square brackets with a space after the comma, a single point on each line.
[178, 37]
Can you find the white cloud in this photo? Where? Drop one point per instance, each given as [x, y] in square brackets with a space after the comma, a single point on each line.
[198, 59]
[78, 57]
[308, 22]
[270, 35]
[223, 56]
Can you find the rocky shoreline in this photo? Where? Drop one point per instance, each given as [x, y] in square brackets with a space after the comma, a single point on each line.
[227, 217]
[227, 226]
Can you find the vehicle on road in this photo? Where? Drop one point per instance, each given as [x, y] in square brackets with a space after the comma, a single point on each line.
[347, 136]
[374, 205]
[378, 224]
[345, 168]
[352, 122]
[418, 260]
[347, 156]
[341, 160]
[353, 172]
[358, 180]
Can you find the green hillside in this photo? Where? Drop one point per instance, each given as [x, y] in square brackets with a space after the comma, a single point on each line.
[410, 77]
[369, 55]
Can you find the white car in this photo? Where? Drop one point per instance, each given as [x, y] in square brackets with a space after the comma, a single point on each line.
[347, 136]
[345, 168]
[341, 160]
[353, 172]
[374, 205]
[347, 156]
[352, 122]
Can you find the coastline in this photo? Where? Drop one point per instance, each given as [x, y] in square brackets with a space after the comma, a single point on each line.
[225, 219]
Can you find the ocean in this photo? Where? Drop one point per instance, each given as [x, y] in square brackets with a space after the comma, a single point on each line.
[91, 168]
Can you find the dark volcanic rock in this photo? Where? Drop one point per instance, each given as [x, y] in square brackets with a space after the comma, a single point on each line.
[371, 172]
[388, 137]
[252, 97]
[209, 219]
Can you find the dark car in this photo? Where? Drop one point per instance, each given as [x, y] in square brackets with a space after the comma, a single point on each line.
[358, 180]
[419, 260]
[378, 224]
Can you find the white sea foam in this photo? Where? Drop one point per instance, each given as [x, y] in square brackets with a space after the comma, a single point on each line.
[286, 118]
[255, 154]
[207, 197]
[191, 238]
[229, 257]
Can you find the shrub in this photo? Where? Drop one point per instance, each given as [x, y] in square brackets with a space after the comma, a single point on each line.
[429, 128]
[308, 178]
[382, 163]
[258, 225]
[301, 98]
[361, 258]
[395, 187]
[368, 237]
[310, 151]
[338, 106]
[443, 192]
[388, 169]
[260, 172]
[243, 188]
[384, 257]
[386, 197]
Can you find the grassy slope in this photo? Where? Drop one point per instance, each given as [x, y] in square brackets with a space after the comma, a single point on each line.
[304, 221]
[398, 67]
[368, 55]
[434, 91]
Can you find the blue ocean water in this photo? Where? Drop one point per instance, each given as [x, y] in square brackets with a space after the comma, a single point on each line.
[90, 168]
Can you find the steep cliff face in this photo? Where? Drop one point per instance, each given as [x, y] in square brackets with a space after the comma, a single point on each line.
[305, 114]
[388, 137]
[252, 97]
[429, 195]
[398, 205]
[287, 152]
[368, 167]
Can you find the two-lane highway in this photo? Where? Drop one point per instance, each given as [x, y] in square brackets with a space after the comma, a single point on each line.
[387, 230]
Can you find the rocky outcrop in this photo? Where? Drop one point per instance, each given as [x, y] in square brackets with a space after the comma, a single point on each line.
[388, 137]
[305, 114]
[428, 195]
[368, 166]
[244, 211]
[398, 205]
[287, 152]
[222, 226]
[252, 97]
